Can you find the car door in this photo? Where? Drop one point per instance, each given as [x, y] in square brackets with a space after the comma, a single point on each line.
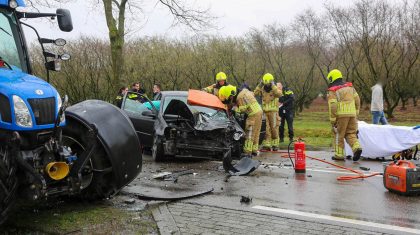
[143, 124]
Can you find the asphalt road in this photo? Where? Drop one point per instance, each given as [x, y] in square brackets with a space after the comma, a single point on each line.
[276, 190]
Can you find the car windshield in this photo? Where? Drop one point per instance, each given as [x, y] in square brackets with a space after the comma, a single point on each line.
[137, 107]
[212, 113]
[9, 39]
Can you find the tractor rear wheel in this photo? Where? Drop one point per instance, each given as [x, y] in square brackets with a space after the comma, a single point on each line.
[98, 179]
[8, 182]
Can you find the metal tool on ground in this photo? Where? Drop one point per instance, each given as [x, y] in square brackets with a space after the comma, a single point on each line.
[402, 177]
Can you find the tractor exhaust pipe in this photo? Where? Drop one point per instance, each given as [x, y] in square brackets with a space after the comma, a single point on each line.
[57, 170]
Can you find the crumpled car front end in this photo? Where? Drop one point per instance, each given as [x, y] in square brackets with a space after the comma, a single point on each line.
[199, 132]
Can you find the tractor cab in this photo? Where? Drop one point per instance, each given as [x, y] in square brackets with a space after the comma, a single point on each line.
[27, 103]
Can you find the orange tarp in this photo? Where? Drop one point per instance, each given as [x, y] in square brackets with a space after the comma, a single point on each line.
[202, 98]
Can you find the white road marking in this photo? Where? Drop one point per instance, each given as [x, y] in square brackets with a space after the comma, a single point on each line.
[338, 171]
[339, 219]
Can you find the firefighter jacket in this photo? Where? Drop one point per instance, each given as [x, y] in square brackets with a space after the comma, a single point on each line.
[247, 103]
[343, 101]
[270, 97]
[214, 89]
[287, 100]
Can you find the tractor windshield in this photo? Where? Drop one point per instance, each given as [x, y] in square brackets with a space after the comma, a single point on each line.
[9, 40]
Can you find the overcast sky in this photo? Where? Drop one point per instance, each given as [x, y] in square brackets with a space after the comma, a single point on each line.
[235, 17]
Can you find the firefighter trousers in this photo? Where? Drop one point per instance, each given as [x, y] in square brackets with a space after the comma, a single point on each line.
[346, 128]
[272, 123]
[252, 133]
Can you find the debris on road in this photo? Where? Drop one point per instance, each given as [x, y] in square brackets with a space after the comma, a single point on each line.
[364, 168]
[129, 201]
[244, 166]
[160, 198]
[245, 199]
[172, 176]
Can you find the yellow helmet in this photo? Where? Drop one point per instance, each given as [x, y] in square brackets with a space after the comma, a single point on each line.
[268, 78]
[226, 91]
[221, 76]
[334, 75]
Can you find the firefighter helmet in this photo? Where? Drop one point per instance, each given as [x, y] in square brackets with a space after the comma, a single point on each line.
[334, 75]
[268, 78]
[226, 92]
[221, 76]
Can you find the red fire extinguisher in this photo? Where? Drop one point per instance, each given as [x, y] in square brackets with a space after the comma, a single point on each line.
[300, 158]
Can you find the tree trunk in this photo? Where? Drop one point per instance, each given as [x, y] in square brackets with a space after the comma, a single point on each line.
[415, 101]
[404, 104]
[116, 31]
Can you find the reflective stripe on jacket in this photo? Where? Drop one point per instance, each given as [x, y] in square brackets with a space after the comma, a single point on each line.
[212, 89]
[343, 101]
[270, 99]
[247, 103]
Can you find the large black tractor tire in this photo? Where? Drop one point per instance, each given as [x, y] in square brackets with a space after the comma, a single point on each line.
[99, 168]
[8, 183]
[158, 153]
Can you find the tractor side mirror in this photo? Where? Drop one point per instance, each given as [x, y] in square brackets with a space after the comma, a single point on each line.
[65, 57]
[64, 20]
[58, 42]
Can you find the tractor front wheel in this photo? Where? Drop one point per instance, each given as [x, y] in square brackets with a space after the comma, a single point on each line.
[8, 182]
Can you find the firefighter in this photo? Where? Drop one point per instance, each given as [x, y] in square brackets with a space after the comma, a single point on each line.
[221, 80]
[344, 105]
[245, 103]
[270, 100]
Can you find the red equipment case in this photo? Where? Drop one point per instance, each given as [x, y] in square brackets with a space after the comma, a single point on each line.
[402, 177]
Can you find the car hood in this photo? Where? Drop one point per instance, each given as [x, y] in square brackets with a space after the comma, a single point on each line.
[201, 98]
[201, 122]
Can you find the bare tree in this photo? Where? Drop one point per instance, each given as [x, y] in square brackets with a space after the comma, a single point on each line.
[116, 12]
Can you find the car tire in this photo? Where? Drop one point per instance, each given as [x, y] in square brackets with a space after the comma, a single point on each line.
[102, 183]
[158, 153]
[8, 183]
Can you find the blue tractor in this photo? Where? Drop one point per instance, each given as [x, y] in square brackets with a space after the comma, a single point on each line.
[48, 148]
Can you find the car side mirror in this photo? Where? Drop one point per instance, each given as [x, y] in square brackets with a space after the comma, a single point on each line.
[149, 113]
[64, 20]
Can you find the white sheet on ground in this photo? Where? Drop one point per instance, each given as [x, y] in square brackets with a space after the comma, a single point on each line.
[384, 141]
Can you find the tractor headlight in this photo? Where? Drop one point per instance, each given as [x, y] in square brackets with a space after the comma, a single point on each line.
[22, 114]
[60, 103]
[13, 4]
[237, 136]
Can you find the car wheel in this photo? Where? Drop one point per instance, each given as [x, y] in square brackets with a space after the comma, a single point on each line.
[8, 183]
[158, 153]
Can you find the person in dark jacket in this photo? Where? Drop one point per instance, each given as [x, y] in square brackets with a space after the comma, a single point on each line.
[157, 94]
[120, 96]
[286, 112]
